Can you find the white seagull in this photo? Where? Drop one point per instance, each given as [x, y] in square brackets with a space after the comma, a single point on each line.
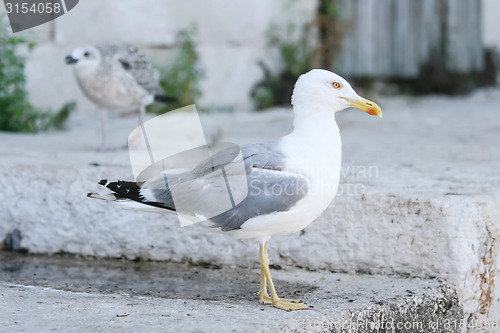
[290, 181]
[116, 76]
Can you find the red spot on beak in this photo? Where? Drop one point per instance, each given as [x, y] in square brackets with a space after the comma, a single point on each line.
[371, 112]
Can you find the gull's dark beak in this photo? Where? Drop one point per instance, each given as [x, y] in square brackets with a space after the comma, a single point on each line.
[70, 60]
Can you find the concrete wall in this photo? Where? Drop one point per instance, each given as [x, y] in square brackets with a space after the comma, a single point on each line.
[395, 38]
[231, 40]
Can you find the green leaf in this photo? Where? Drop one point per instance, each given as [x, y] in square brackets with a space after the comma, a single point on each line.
[17, 114]
[181, 78]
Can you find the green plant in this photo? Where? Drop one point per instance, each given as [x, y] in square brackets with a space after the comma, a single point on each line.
[181, 78]
[17, 114]
[299, 53]
[296, 55]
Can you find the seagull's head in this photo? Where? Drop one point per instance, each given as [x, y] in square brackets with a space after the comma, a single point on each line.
[87, 57]
[329, 91]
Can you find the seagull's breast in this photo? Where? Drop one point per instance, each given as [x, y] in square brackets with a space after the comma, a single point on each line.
[320, 165]
[110, 89]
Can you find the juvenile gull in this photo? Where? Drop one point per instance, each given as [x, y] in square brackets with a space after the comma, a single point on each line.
[116, 76]
[290, 181]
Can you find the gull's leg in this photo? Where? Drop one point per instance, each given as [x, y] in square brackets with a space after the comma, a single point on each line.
[138, 141]
[280, 303]
[264, 297]
[104, 130]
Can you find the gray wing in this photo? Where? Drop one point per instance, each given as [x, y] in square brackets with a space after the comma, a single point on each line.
[269, 191]
[269, 188]
[135, 62]
[262, 156]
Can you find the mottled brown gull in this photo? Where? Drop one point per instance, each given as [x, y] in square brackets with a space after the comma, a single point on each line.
[116, 76]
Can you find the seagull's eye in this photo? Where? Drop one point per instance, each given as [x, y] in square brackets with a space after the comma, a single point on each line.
[86, 54]
[336, 85]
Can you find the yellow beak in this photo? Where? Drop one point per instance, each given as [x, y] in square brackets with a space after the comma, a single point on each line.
[366, 105]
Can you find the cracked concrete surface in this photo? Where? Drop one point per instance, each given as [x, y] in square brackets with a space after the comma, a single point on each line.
[73, 294]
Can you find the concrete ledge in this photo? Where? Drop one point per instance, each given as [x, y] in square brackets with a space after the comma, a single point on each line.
[420, 197]
[74, 295]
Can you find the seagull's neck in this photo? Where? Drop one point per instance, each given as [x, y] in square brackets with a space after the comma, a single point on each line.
[87, 70]
[306, 124]
[315, 135]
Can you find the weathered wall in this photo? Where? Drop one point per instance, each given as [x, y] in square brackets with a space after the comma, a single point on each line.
[394, 38]
[232, 38]
[382, 37]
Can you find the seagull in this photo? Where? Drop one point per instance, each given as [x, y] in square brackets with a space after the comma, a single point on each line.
[290, 181]
[116, 76]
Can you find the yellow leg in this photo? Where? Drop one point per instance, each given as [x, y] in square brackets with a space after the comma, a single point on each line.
[265, 278]
[264, 297]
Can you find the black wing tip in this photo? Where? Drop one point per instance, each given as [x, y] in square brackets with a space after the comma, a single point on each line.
[126, 190]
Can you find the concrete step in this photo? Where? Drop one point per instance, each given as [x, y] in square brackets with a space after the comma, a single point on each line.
[420, 197]
[71, 294]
